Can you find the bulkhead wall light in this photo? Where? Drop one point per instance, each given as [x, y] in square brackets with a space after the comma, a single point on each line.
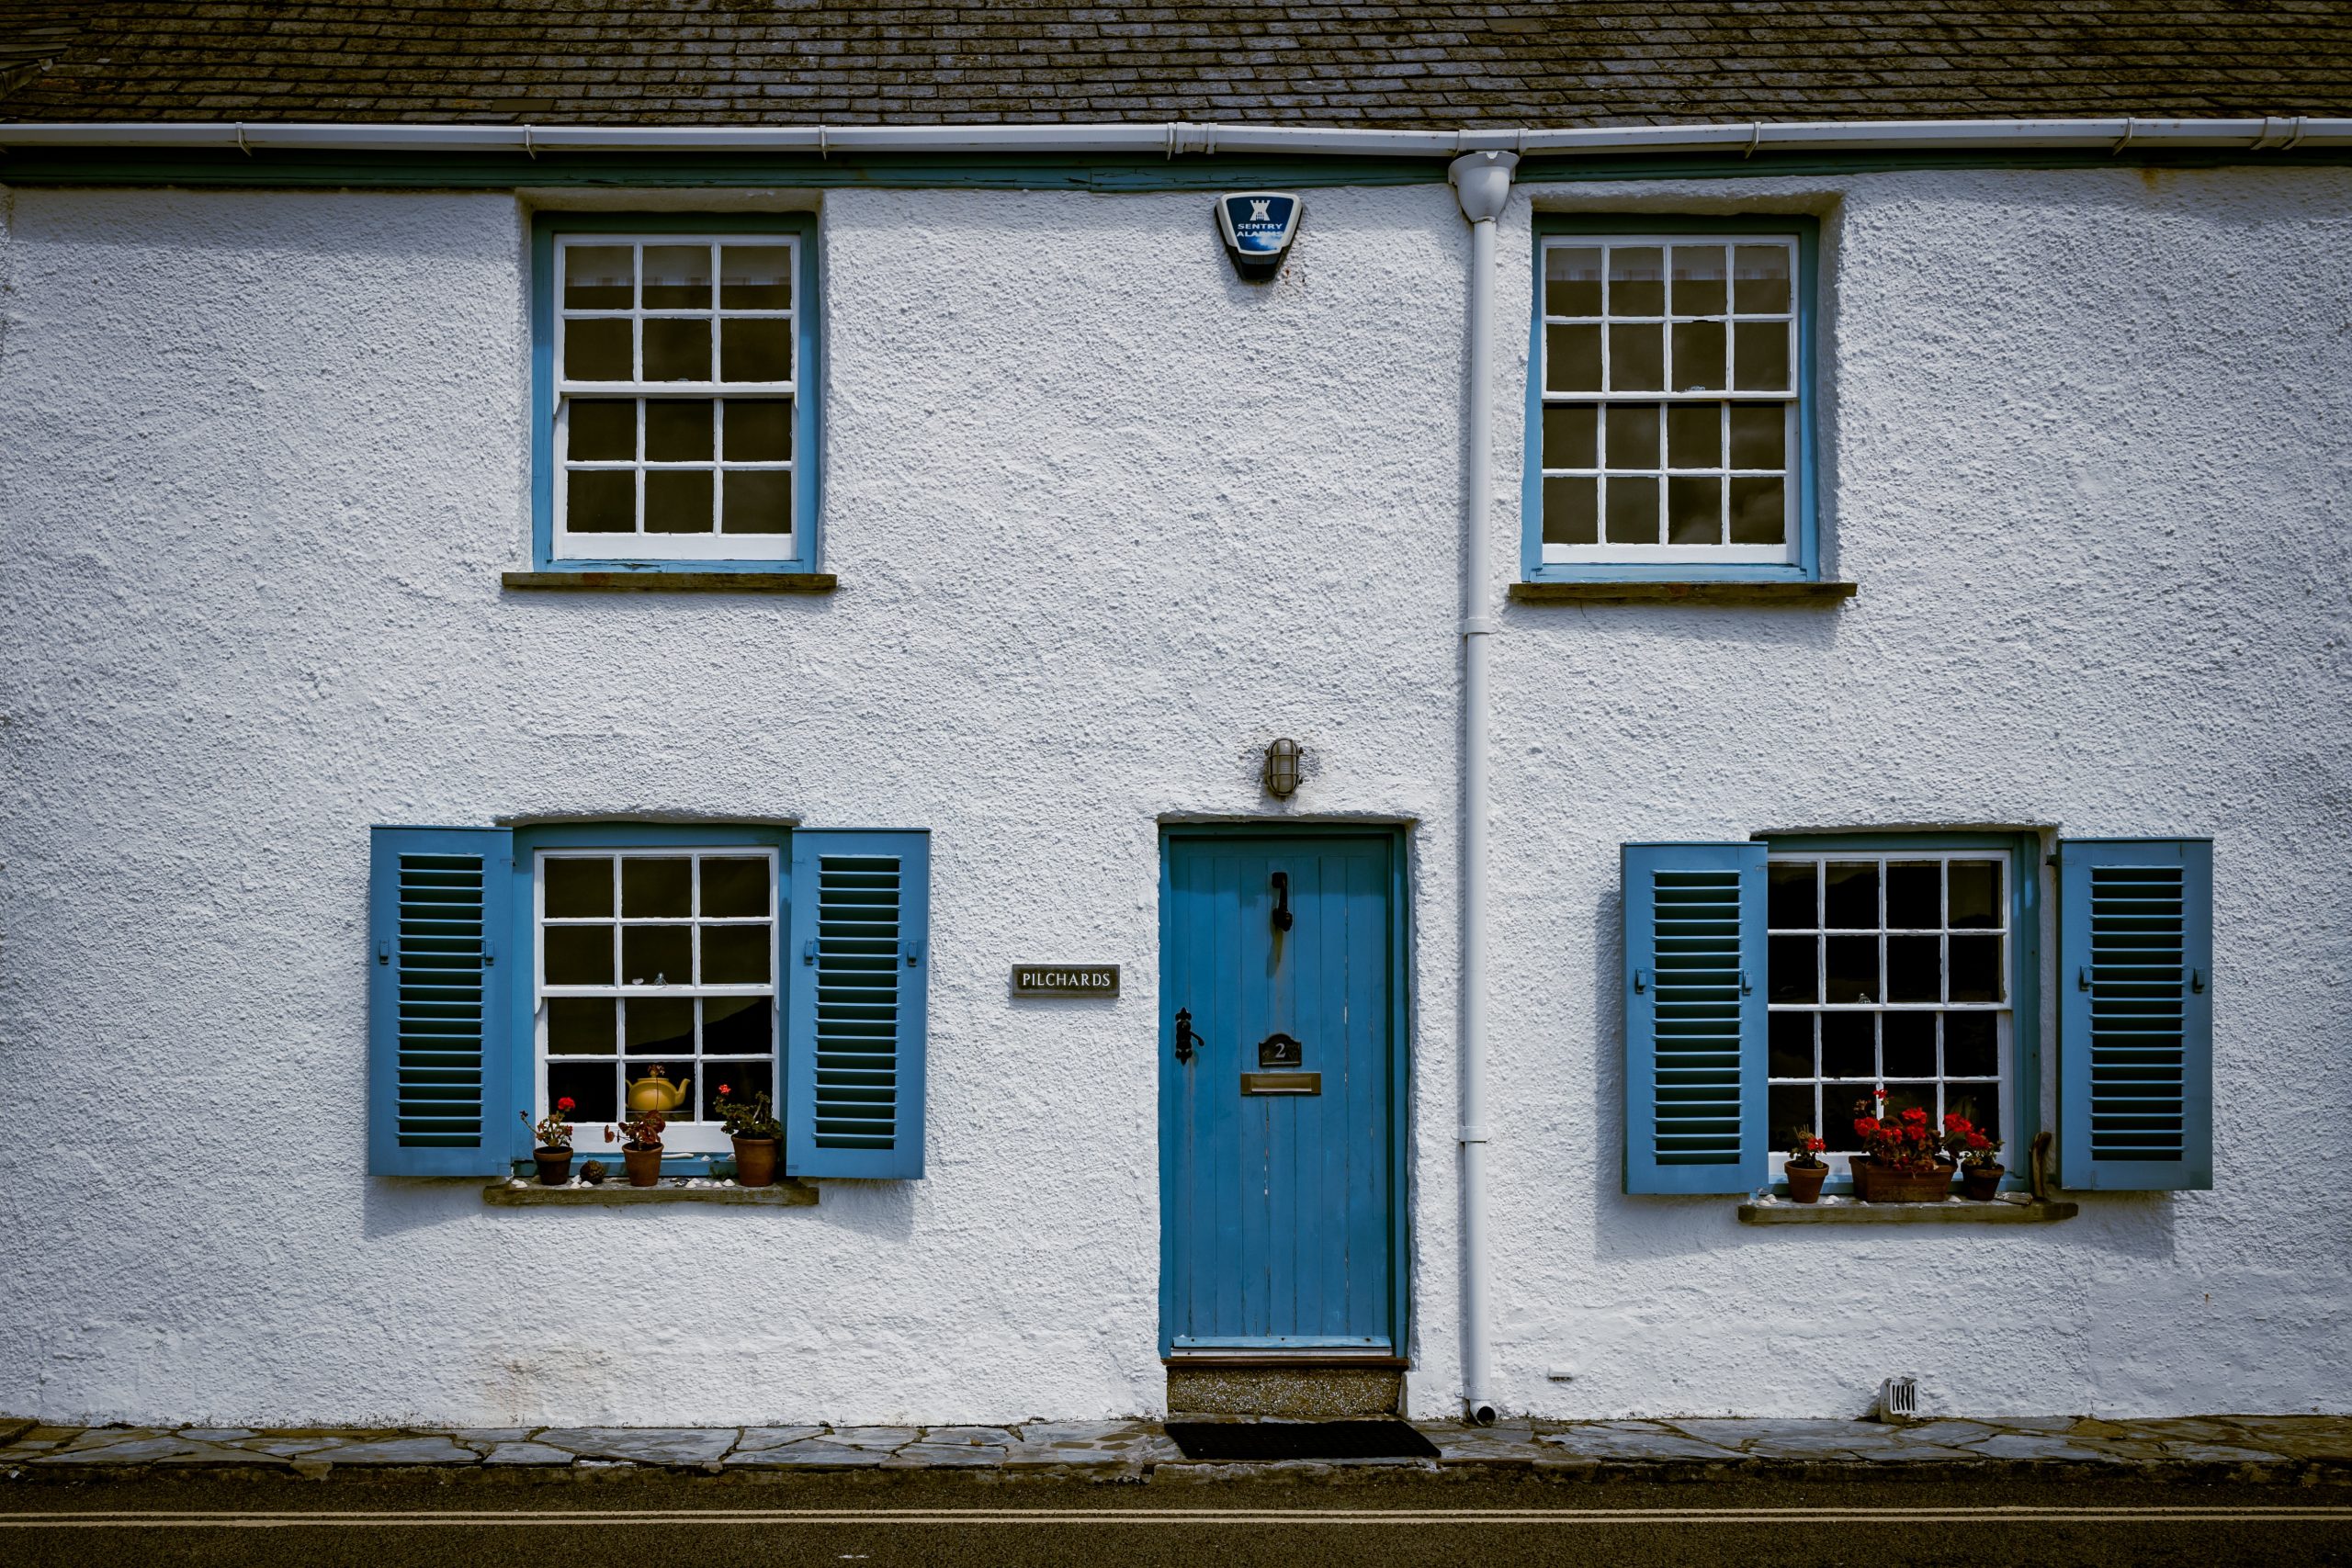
[1282, 768]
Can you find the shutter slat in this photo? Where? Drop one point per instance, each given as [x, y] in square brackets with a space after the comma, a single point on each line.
[2135, 1034]
[860, 906]
[440, 1065]
[1694, 1031]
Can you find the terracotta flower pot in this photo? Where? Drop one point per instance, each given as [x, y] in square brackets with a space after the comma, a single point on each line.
[644, 1164]
[1876, 1183]
[555, 1166]
[1804, 1181]
[755, 1162]
[1981, 1182]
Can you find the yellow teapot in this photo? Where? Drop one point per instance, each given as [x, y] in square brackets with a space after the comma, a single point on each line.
[655, 1093]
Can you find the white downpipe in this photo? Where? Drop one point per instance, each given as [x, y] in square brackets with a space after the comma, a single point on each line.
[1169, 139]
[1481, 184]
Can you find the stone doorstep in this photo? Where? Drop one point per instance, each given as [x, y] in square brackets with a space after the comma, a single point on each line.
[2248, 1448]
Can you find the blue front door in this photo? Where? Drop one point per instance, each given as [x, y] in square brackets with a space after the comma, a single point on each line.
[1278, 1055]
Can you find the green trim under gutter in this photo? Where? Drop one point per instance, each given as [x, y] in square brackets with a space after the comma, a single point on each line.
[501, 171]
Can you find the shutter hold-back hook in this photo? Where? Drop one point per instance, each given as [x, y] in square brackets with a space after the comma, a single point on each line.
[1283, 917]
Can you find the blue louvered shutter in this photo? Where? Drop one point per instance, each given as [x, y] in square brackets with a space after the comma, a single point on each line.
[1694, 1018]
[2135, 1014]
[440, 1072]
[860, 912]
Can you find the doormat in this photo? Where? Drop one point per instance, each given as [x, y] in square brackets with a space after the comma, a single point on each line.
[1299, 1439]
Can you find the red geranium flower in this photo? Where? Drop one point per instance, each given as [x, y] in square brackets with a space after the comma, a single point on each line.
[564, 1104]
[724, 1090]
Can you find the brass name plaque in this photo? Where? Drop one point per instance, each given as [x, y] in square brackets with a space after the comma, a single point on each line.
[1282, 1083]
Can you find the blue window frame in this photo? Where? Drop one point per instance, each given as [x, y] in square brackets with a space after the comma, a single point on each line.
[674, 422]
[1669, 401]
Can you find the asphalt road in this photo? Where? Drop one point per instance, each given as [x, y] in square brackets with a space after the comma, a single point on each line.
[445, 1522]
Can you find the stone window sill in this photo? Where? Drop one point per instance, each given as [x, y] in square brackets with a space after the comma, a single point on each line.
[1695, 593]
[2009, 1208]
[675, 581]
[519, 1193]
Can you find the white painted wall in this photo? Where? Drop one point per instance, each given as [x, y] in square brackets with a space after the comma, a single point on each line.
[1107, 520]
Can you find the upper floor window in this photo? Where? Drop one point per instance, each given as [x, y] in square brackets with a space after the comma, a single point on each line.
[1670, 429]
[674, 417]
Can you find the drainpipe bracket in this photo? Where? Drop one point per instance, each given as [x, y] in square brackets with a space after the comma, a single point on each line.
[1472, 1136]
[1478, 625]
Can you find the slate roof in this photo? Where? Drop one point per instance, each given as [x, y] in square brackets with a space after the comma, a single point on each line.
[1533, 63]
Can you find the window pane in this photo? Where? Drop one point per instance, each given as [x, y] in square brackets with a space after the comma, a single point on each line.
[1975, 894]
[1572, 280]
[1915, 969]
[677, 502]
[1694, 435]
[1571, 511]
[660, 1026]
[1633, 510]
[1759, 511]
[1792, 961]
[1699, 356]
[1790, 900]
[677, 349]
[758, 349]
[678, 431]
[1698, 280]
[735, 1026]
[1840, 1103]
[1914, 895]
[759, 501]
[1791, 1109]
[1636, 281]
[1637, 357]
[1632, 436]
[1981, 1103]
[756, 278]
[1759, 436]
[1848, 1045]
[600, 501]
[591, 1086]
[1851, 898]
[741, 1080]
[1976, 969]
[1853, 969]
[1694, 511]
[734, 887]
[735, 956]
[598, 277]
[1759, 356]
[1972, 1045]
[1760, 278]
[656, 888]
[1572, 359]
[657, 956]
[677, 276]
[1570, 434]
[578, 889]
[758, 430]
[578, 955]
[1791, 1036]
[597, 351]
[1902, 1097]
[578, 1025]
[602, 430]
[681, 1073]
[1910, 1041]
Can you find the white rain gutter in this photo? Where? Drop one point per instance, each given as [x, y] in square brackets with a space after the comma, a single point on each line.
[2270, 133]
[1481, 184]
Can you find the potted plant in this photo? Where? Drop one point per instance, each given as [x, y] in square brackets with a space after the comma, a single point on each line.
[1903, 1160]
[1980, 1158]
[553, 1133]
[1806, 1170]
[640, 1137]
[755, 1131]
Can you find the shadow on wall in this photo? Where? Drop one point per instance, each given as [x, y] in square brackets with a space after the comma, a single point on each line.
[394, 1205]
[2140, 1226]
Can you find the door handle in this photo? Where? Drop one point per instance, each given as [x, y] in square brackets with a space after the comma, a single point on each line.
[1184, 1036]
[1283, 915]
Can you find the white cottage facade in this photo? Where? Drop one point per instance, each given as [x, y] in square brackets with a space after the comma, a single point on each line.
[1979, 533]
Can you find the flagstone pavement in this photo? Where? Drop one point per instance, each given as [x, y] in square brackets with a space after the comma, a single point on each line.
[2240, 1448]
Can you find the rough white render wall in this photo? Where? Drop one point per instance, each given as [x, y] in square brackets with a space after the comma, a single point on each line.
[1106, 520]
